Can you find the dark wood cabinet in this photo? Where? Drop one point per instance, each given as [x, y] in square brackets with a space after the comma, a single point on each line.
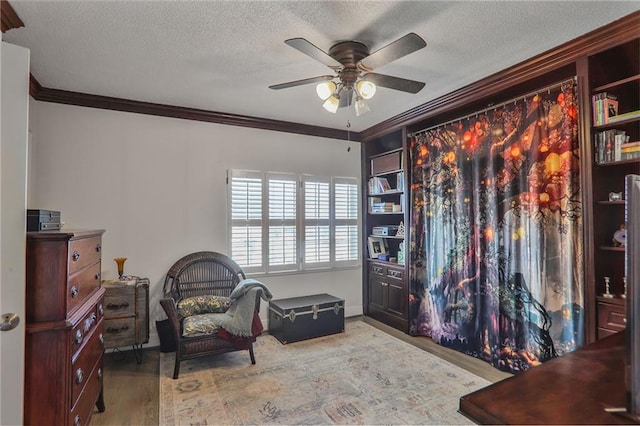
[614, 78]
[388, 294]
[64, 326]
[385, 276]
[611, 316]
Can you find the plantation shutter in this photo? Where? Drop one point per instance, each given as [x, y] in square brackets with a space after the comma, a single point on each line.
[317, 237]
[245, 199]
[282, 200]
[346, 244]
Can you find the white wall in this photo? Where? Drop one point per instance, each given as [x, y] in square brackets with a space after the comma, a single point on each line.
[157, 186]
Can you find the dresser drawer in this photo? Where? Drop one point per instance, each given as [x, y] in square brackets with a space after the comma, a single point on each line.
[611, 317]
[120, 332]
[395, 274]
[84, 252]
[83, 328]
[120, 301]
[85, 361]
[84, 405]
[82, 285]
[377, 270]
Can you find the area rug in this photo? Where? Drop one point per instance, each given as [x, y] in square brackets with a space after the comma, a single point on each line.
[361, 376]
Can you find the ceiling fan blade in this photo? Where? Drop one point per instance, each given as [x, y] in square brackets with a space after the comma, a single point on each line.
[392, 51]
[301, 82]
[313, 51]
[346, 98]
[394, 83]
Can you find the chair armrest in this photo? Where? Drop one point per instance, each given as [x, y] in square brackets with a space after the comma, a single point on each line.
[169, 306]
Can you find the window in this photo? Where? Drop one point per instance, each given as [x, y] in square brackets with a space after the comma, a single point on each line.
[286, 222]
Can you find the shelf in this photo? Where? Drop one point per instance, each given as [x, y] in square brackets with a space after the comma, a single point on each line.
[382, 154]
[619, 162]
[611, 203]
[390, 172]
[388, 236]
[611, 248]
[384, 262]
[383, 213]
[615, 300]
[617, 123]
[616, 83]
[392, 192]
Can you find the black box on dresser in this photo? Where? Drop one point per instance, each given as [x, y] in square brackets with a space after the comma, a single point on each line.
[306, 317]
[43, 220]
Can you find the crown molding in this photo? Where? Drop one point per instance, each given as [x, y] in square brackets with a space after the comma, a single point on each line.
[617, 32]
[45, 94]
[10, 18]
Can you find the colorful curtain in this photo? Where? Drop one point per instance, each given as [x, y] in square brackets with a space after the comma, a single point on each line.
[496, 232]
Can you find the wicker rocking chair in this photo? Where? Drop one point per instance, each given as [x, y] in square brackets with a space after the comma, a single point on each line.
[203, 273]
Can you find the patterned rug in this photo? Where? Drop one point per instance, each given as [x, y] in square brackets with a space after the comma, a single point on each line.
[361, 376]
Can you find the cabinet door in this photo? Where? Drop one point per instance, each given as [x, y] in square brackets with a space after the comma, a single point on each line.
[377, 290]
[395, 291]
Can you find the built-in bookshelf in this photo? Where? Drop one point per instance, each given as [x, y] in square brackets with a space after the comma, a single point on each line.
[385, 276]
[614, 84]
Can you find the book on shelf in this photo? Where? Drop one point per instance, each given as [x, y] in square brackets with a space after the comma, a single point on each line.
[609, 145]
[400, 181]
[604, 106]
[378, 185]
[382, 207]
[630, 150]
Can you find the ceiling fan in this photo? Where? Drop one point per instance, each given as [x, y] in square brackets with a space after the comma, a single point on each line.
[352, 64]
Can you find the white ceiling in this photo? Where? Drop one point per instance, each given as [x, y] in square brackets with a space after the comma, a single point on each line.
[222, 55]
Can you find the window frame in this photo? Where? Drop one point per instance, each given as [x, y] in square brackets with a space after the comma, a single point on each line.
[265, 222]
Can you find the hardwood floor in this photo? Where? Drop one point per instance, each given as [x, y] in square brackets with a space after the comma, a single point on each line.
[132, 391]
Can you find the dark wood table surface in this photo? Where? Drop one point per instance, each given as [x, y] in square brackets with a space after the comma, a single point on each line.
[571, 389]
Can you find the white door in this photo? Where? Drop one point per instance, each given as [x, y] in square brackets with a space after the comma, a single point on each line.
[14, 116]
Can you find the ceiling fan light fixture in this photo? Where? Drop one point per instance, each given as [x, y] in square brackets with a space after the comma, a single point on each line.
[325, 89]
[331, 104]
[361, 106]
[366, 89]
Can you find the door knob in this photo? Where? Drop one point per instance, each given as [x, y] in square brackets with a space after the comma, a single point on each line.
[9, 321]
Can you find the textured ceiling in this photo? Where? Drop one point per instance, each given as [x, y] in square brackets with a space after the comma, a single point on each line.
[222, 55]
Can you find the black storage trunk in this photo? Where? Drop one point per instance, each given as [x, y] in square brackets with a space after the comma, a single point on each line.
[43, 220]
[300, 318]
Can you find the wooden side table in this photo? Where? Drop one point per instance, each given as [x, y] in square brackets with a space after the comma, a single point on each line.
[126, 314]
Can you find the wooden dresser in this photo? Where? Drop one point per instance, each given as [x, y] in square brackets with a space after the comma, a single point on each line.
[64, 326]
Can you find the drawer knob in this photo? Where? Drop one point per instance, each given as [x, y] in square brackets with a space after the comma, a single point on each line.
[101, 309]
[98, 248]
[75, 256]
[100, 373]
[97, 276]
[79, 336]
[74, 291]
[89, 322]
[77, 421]
[101, 338]
[79, 376]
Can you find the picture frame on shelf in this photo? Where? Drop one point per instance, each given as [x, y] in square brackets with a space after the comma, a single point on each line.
[377, 246]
